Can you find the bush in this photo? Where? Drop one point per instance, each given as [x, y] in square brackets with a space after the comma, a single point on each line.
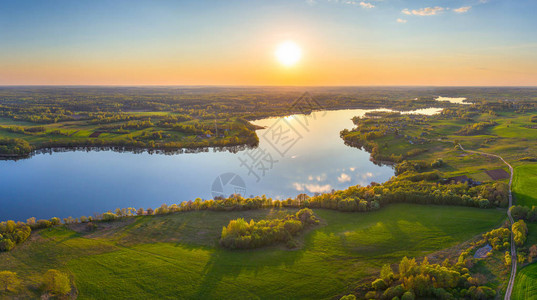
[291, 244]
[379, 284]
[407, 296]
[109, 216]
[437, 163]
[482, 292]
[396, 291]
[56, 282]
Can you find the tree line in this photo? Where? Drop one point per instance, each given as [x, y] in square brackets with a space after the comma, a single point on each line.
[53, 283]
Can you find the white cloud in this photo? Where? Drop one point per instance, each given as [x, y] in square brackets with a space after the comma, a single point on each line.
[367, 175]
[366, 5]
[344, 178]
[310, 178]
[312, 188]
[462, 10]
[426, 11]
[352, 169]
[403, 21]
[299, 187]
[322, 177]
[316, 188]
[348, 2]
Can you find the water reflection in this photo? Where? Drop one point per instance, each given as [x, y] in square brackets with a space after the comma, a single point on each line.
[77, 183]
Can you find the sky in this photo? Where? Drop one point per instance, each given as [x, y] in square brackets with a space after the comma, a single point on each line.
[232, 42]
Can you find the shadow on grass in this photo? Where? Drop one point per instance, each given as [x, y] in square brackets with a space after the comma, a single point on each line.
[225, 266]
[524, 199]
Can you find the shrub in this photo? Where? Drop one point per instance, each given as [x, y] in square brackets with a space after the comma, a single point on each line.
[379, 284]
[56, 282]
[396, 291]
[109, 216]
[407, 296]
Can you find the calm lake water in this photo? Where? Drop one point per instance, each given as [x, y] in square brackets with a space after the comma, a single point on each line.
[296, 154]
[456, 100]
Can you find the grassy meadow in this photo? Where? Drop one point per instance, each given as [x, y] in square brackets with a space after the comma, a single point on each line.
[525, 185]
[177, 255]
[526, 283]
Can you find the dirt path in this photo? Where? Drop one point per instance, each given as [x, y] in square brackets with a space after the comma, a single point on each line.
[513, 247]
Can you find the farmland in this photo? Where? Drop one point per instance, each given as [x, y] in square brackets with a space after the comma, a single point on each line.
[177, 253]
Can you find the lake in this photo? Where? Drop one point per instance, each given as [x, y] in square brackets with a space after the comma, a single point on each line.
[456, 100]
[296, 154]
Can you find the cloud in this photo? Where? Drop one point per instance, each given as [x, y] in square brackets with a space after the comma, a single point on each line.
[352, 169]
[315, 188]
[367, 175]
[426, 11]
[403, 21]
[322, 177]
[312, 188]
[344, 178]
[348, 2]
[366, 5]
[299, 187]
[462, 9]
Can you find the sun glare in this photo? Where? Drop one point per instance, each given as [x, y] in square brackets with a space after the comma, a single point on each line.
[288, 53]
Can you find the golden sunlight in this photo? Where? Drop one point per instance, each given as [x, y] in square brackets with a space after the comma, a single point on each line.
[288, 53]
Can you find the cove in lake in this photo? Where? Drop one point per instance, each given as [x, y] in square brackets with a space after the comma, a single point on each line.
[81, 183]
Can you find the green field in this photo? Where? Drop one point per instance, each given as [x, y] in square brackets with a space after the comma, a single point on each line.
[526, 283]
[176, 255]
[525, 185]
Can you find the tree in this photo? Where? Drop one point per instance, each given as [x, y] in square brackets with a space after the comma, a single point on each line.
[507, 259]
[56, 282]
[520, 231]
[406, 266]
[386, 273]
[8, 281]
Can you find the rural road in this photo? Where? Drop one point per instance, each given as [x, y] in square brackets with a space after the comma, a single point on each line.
[513, 247]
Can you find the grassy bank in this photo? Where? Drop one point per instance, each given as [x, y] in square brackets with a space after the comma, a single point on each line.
[171, 255]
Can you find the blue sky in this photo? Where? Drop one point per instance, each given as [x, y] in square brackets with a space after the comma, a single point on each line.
[466, 42]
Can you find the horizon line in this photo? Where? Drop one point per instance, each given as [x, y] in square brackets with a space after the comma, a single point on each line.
[260, 86]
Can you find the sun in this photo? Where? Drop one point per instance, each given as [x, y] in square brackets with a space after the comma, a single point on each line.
[288, 53]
